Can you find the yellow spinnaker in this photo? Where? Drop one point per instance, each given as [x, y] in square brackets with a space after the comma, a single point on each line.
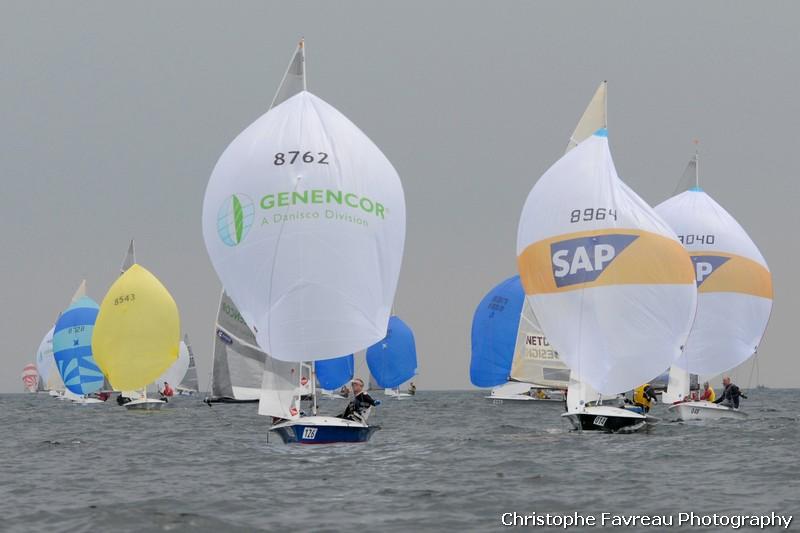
[137, 332]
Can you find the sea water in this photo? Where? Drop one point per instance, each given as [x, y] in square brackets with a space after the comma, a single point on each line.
[442, 460]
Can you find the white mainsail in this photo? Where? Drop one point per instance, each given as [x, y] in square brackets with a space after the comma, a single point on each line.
[535, 361]
[733, 281]
[607, 279]
[189, 381]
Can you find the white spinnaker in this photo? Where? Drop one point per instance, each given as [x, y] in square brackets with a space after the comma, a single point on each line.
[307, 244]
[535, 360]
[174, 374]
[46, 363]
[606, 277]
[734, 284]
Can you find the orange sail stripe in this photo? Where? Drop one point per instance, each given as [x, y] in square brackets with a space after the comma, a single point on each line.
[651, 259]
[738, 274]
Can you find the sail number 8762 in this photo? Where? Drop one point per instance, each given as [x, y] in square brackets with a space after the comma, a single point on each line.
[289, 158]
[592, 213]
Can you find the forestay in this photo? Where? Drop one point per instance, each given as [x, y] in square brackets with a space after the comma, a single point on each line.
[137, 331]
[606, 277]
[393, 360]
[494, 329]
[734, 283]
[304, 222]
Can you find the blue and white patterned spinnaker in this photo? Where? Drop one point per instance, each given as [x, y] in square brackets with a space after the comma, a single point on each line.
[72, 347]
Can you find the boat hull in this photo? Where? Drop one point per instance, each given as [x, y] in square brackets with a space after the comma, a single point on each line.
[323, 430]
[609, 420]
[702, 410]
[225, 399]
[520, 398]
[145, 404]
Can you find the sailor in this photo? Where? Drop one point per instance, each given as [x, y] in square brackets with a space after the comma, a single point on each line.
[122, 400]
[730, 395]
[359, 406]
[644, 396]
[541, 395]
[708, 393]
[412, 389]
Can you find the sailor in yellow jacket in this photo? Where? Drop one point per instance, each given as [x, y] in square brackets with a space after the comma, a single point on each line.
[644, 396]
[708, 393]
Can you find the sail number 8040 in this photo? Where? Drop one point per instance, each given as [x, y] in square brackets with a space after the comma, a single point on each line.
[291, 156]
[592, 213]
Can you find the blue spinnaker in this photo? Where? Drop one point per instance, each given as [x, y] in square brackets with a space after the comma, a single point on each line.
[333, 373]
[72, 347]
[494, 333]
[393, 360]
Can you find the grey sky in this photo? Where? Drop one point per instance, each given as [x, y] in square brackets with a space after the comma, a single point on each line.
[114, 114]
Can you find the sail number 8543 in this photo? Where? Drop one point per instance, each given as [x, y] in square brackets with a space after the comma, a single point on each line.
[592, 213]
[292, 156]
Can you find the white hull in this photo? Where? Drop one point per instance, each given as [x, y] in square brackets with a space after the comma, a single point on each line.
[395, 394]
[702, 410]
[520, 398]
[87, 401]
[146, 404]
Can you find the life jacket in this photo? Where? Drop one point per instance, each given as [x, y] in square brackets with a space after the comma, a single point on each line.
[639, 397]
[168, 391]
[709, 396]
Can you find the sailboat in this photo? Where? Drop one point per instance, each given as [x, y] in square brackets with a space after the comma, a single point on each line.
[304, 223]
[175, 373]
[137, 332]
[393, 360]
[607, 279]
[30, 378]
[50, 379]
[734, 299]
[72, 348]
[509, 349]
[189, 384]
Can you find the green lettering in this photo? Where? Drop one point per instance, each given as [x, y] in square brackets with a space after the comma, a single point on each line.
[302, 197]
[316, 196]
[268, 202]
[283, 199]
[378, 209]
[336, 196]
[347, 198]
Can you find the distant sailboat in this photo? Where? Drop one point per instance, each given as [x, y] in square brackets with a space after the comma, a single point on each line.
[393, 360]
[589, 252]
[137, 333]
[50, 378]
[189, 384]
[322, 213]
[734, 298]
[72, 348]
[30, 377]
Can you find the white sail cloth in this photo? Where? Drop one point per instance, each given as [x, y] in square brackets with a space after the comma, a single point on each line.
[607, 279]
[734, 284]
[304, 221]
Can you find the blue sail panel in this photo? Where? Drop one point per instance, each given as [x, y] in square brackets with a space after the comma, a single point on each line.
[393, 360]
[333, 373]
[72, 347]
[494, 333]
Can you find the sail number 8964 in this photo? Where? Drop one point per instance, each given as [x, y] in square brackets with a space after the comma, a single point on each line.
[592, 213]
[289, 158]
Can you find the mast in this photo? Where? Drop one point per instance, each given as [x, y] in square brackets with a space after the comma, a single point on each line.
[696, 164]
